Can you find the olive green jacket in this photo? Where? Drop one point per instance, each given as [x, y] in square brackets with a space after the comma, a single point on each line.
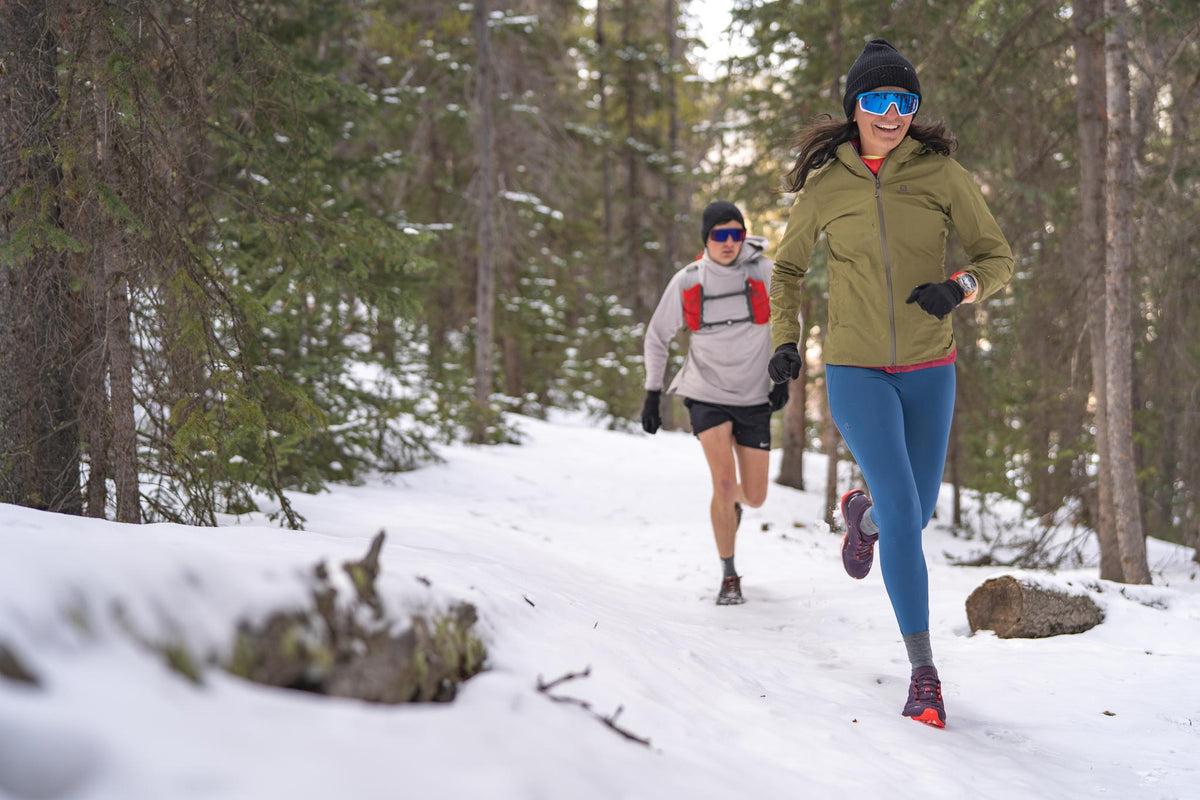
[886, 235]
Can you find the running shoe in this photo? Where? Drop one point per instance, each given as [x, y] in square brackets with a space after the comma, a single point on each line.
[925, 698]
[858, 548]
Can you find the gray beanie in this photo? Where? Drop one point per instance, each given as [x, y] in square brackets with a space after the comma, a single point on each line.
[878, 65]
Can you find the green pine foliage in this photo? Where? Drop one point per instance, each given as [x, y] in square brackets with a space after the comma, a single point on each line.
[602, 372]
[321, 276]
[273, 311]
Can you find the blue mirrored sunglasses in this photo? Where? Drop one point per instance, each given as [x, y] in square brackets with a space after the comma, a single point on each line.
[906, 103]
[725, 234]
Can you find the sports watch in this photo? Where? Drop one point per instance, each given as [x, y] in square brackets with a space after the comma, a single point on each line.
[966, 281]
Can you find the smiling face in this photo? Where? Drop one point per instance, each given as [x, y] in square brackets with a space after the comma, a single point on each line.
[878, 134]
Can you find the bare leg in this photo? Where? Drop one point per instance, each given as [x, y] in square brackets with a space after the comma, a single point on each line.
[753, 467]
[718, 447]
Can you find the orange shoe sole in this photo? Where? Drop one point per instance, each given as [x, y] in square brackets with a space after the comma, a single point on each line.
[930, 717]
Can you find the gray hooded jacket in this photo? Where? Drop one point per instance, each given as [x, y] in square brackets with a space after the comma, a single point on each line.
[725, 364]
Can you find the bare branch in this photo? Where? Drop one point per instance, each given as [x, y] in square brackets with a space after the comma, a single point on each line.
[610, 721]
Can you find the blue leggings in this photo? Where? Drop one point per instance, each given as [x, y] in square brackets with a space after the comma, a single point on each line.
[897, 426]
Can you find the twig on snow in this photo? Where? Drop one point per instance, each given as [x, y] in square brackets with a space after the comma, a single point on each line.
[610, 721]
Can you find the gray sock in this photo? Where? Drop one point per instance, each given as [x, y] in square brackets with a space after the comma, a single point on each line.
[920, 654]
[727, 564]
[867, 525]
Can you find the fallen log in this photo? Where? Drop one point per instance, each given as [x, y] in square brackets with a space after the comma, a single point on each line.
[1021, 609]
[349, 647]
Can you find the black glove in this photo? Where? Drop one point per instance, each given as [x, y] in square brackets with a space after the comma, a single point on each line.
[785, 365]
[651, 419]
[938, 299]
[778, 397]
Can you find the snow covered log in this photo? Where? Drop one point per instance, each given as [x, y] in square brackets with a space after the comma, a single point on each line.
[1020, 609]
[349, 647]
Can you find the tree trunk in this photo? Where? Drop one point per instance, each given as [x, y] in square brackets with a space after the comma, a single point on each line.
[829, 445]
[640, 278]
[120, 363]
[1090, 121]
[791, 463]
[668, 265]
[670, 254]
[91, 352]
[955, 464]
[834, 37]
[610, 274]
[795, 431]
[512, 353]
[485, 279]
[39, 440]
[93, 399]
[1118, 296]
[118, 344]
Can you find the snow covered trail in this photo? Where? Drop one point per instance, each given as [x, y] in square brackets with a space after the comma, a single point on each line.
[589, 549]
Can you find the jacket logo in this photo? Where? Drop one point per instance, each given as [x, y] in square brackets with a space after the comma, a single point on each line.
[903, 188]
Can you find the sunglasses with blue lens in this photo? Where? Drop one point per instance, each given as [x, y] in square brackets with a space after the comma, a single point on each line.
[906, 103]
[725, 234]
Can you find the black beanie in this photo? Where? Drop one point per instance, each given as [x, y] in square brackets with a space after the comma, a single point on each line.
[719, 211]
[878, 65]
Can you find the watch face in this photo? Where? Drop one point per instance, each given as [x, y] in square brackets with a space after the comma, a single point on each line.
[967, 282]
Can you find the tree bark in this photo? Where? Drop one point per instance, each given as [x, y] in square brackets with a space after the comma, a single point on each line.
[39, 439]
[485, 280]
[834, 37]
[113, 268]
[606, 151]
[670, 179]
[1118, 296]
[120, 363]
[791, 463]
[829, 445]
[1090, 121]
[93, 399]
[954, 462]
[795, 431]
[91, 352]
[1016, 609]
[645, 290]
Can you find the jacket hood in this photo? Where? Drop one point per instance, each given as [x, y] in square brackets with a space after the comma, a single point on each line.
[752, 248]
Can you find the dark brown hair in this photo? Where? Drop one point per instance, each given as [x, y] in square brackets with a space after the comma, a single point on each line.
[818, 143]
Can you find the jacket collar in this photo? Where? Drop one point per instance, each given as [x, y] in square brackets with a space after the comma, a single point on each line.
[908, 149]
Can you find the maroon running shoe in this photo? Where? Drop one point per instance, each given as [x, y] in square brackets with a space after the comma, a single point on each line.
[925, 698]
[858, 548]
[731, 591]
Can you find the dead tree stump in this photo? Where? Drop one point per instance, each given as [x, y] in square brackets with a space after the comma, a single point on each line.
[1017, 609]
[349, 647]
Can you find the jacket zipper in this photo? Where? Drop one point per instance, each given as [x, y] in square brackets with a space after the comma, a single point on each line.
[887, 261]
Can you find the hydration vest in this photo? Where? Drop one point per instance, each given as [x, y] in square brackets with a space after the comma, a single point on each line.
[754, 290]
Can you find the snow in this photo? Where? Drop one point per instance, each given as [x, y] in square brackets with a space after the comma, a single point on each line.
[582, 548]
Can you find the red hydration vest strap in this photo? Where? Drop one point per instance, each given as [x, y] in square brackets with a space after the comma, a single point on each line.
[758, 304]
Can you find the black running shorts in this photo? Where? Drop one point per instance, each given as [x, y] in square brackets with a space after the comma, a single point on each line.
[751, 424]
